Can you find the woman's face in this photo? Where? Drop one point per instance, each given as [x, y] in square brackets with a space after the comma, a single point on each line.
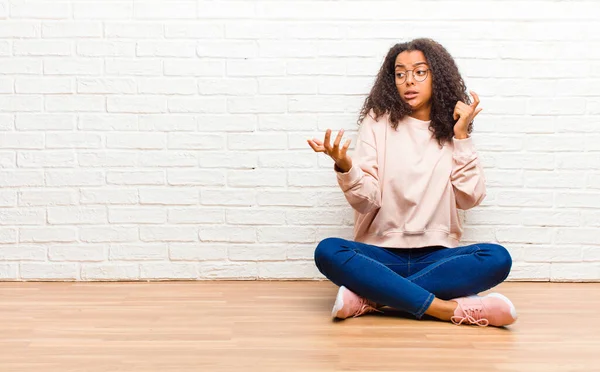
[414, 86]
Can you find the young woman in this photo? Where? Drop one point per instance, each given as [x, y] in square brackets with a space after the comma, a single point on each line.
[414, 165]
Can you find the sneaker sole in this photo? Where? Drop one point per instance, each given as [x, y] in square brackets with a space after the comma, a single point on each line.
[513, 309]
[339, 302]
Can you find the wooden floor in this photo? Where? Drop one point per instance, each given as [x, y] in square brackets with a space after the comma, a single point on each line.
[280, 326]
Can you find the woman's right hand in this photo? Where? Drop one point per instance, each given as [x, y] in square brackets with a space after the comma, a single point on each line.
[337, 153]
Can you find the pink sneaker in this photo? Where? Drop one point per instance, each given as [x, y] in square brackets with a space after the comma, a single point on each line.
[493, 309]
[348, 304]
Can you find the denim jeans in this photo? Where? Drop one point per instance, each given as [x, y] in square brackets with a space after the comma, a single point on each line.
[409, 279]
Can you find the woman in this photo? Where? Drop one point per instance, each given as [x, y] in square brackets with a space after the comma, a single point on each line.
[414, 165]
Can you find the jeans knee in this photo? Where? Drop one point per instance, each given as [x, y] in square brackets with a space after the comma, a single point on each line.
[502, 261]
[326, 249]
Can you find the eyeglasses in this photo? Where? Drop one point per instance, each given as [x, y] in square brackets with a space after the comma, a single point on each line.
[419, 74]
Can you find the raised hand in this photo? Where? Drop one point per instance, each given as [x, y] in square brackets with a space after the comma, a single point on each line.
[337, 153]
[464, 114]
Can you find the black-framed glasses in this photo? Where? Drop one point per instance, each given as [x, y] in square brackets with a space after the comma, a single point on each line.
[419, 74]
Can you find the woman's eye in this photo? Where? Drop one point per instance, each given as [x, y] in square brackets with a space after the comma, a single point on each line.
[400, 75]
[421, 72]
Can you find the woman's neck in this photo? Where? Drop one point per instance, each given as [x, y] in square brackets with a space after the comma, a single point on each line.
[422, 113]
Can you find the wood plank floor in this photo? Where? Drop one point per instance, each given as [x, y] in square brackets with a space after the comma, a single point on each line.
[280, 326]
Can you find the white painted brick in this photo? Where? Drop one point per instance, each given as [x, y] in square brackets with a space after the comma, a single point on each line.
[107, 195]
[6, 85]
[254, 216]
[167, 123]
[8, 271]
[8, 198]
[24, 66]
[254, 30]
[197, 252]
[165, 9]
[584, 272]
[578, 199]
[76, 252]
[254, 252]
[285, 198]
[137, 215]
[196, 215]
[22, 141]
[47, 234]
[64, 140]
[133, 30]
[227, 49]
[21, 178]
[136, 104]
[287, 49]
[108, 234]
[255, 141]
[35, 122]
[194, 30]
[320, 104]
[230, 159]
[21, 103]
[196, 141]
[7, 122]
[504, 178]
[165, 49]
[166, 86]
[522, 271]
[577, 236]
[278, 234]
[24, 253]
[287, 160]
[46, 159]
[256, 67]
[135, 177]
[74, 103]
[8, 235]
[300, 251]
[98, 48]
[62, 29]
[43, 86]
[195, 177]
[226, 9]
[106, 86]
[553, 143]
[319, 217]
[212, 105]
[478, 234]
[107, 159]
[241, 198]
[168, 233]
[131, 140]
[313, 178]
[77, 215]
[169, 196]
[545, 179]
[591, 253]
[107, 122]
[227, 234]
[269, 85]
[93, 272]
[47, 197]
[285, 122]
[524, 235]
[553, 254]
[168, 159]
[321, 66]
[519, 198]
[182, 67]
[8, 159]
[255, 178]
[138, 252]
[41, 48]
[257, 105]
[50, 271]
[22, 216]
[133, 67]
[72, 66]
[102, 10]
[228, 270]
[229, 86]
[226, 123]
[168, 270]
[287, 270]
[74, 178]
[40, 10]
[19, 29]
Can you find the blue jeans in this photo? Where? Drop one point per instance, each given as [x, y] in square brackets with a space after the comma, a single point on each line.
[409, 279]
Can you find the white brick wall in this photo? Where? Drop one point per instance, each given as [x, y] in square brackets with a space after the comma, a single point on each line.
[166, 139]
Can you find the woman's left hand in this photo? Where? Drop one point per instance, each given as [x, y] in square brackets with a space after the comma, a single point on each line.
[464, 114]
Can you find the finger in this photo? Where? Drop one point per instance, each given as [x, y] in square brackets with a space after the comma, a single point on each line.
[315, 147]
[345, 147]
[338, 139]
[477, 112]
[317, 141]
[475, 99]
[327, 141]
[456, 115]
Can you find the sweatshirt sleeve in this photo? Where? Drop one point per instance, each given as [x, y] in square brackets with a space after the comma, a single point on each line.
[467, 175]
[361, 183]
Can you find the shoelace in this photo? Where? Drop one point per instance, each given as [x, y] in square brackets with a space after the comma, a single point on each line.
[366, 307]
[472, 316]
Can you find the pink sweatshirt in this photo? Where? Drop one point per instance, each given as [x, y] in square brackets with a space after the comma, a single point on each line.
[405, 189]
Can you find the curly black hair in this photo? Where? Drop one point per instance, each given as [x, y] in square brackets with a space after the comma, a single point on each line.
[448, 87]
